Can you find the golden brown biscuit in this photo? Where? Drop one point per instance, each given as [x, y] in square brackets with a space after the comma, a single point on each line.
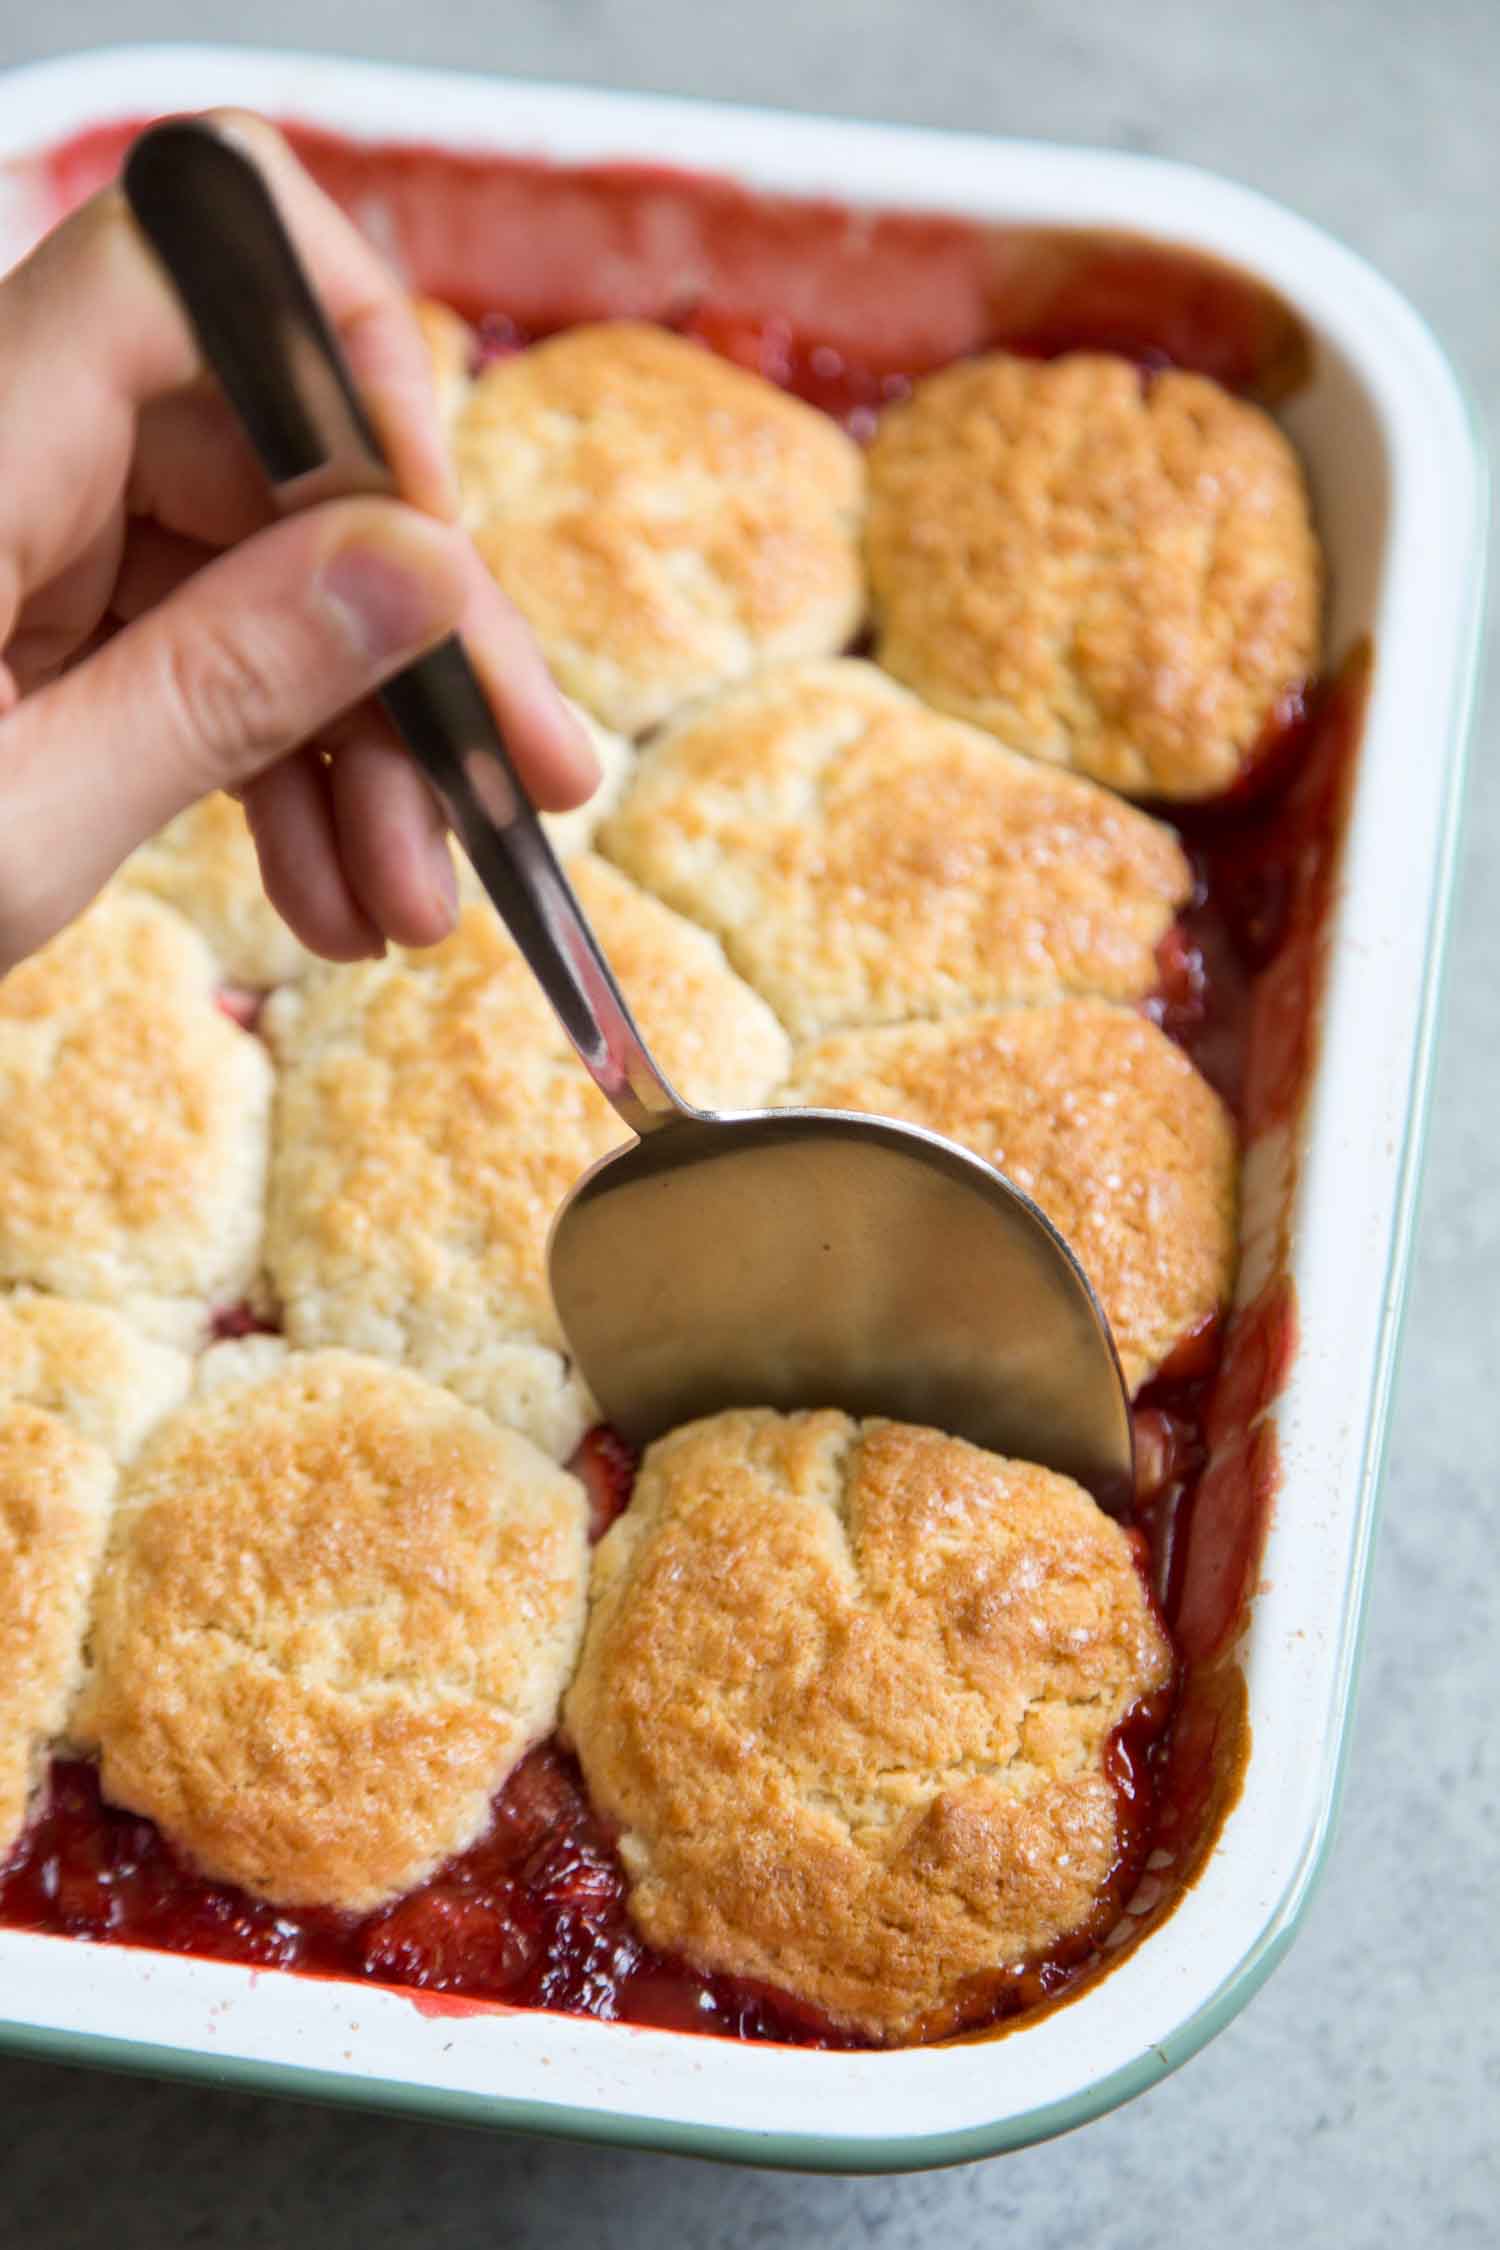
[55, 1489]
[1097, 1116]
[666, 522]
[1119, 578]
[203, 863]
[865, 860]
[133, 1122]
[79, 1389]
[337, 1608]
[431, 1117]
[847, 1692]
[89, 1368]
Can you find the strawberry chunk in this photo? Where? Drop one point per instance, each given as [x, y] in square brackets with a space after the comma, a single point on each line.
[607, 1466]
[442, 1941]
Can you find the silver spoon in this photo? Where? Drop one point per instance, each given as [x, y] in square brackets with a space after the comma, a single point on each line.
[785, 1257]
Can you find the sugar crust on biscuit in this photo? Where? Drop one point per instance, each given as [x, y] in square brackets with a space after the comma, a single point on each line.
[1116, 576]
[338, 1606]
[846, 1694]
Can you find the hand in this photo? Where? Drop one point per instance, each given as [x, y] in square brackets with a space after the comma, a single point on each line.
[162, 635]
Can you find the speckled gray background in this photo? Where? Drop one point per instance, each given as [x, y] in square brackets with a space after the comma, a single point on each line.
[1356, 2101]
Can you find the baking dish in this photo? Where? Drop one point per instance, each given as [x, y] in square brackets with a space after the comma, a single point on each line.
[1397, 485]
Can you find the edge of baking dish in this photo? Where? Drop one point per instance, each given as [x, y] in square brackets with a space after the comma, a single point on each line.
[1396, 463]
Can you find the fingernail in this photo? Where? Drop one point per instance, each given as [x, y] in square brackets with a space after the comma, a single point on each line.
[583, 742]
[390, 605]
[445, 884]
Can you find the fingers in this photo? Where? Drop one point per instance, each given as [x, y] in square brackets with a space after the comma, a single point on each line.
[248, 659]
[88, 335]
[370, 860]
[291, 816]
[194, 471]
[225, 667]
[353, 847]
[91, 335]
[60, 619]
[552, 752]
[392, 837]
[380, 865]
[153, 565]
[375, 862]
[195, 487]
[388, 827]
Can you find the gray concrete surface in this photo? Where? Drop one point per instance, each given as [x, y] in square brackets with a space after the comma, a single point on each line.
[1356, 2101]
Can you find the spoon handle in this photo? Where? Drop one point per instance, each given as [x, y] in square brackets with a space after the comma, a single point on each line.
[209, 216]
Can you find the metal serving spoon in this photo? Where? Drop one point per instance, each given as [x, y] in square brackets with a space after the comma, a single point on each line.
[785, 1257]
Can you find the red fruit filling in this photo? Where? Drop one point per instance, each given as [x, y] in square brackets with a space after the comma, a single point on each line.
[496, 337]
[532, 1915]
[607, 1466]
[241, 1005]
[838, 382]
[232, 1322]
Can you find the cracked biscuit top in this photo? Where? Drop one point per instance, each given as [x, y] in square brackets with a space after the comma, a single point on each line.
[133, 1122]
[55, 1489]
[79, 1391]
[1097, 1116]
[431, 1116]
[91, 1369]
[338, 1607]
[1114, 576]
[847, 1693]
[865, 859]
[664, 521]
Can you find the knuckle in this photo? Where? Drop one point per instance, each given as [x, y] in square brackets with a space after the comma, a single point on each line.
[225, 697]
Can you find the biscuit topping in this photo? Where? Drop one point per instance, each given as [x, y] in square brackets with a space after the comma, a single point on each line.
[864, 859]
[338, 1608]
[848, 1693]
[664, 521]
[133, 1122]
[55, 1489]
[1119, 579]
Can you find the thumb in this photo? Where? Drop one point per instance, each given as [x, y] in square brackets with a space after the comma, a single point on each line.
[248, 659]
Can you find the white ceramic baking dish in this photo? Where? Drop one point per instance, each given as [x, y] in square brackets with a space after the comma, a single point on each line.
[1399, 492]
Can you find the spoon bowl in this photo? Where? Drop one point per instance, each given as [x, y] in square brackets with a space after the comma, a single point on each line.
[800, 1257]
